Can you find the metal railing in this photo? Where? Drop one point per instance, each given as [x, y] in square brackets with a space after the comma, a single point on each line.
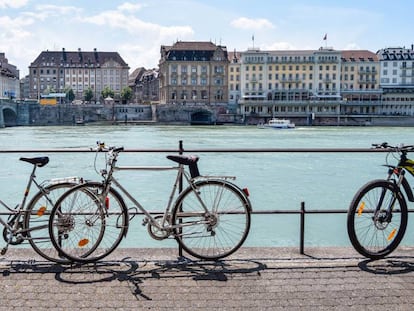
[302, 212]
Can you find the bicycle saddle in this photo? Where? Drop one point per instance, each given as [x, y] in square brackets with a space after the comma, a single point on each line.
[38, 161]
[183, 159]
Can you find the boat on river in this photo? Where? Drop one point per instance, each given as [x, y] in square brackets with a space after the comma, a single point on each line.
[277, 124]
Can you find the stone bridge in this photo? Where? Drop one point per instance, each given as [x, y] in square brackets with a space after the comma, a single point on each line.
[8, 113]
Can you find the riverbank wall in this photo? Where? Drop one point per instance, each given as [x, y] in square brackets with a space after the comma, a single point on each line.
[33, 114]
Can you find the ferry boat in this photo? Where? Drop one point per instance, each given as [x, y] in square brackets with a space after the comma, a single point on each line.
[278, 124]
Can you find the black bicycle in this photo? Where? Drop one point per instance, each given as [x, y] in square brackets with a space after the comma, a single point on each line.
[377, 216]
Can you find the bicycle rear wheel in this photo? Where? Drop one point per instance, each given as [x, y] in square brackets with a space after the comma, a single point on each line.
[36, 220]
[213, 220]
[85, 227]
[377, 219]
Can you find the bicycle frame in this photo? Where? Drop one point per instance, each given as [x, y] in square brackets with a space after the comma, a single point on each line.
[180, 168]
[19, 210]
[404, 165]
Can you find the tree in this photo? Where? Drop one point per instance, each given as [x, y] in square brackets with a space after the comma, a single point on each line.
[70, 95]
[107, 91]
[88, 95]
[126, 94]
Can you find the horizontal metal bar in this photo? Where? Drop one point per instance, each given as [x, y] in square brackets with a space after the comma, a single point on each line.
[260, 212]
[236, 150]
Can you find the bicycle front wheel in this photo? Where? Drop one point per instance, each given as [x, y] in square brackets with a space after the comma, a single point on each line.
[85, 226]
[377, 219]
[36, 220]
[212, 220]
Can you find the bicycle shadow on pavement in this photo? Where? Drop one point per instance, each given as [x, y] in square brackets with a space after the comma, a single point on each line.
[137, 273]
[388, 266]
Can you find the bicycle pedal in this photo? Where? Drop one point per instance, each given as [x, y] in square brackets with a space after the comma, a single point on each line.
[145, 221]
[3, 251]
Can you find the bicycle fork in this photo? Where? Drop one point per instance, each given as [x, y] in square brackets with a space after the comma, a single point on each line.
[383, 217]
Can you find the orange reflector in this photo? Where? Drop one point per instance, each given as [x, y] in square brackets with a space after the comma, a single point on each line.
[361, 208]
[392, 234]
[41, 211]
[83, 242]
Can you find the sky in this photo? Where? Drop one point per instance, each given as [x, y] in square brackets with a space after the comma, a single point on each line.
[137, 29]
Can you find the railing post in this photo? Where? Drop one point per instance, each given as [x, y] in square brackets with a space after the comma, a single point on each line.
[302, 228]
[180, 189]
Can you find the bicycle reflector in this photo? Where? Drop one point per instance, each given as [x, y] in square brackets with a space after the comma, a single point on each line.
[392, 234]
[361, 208]
[41, 211]
[246, 191]
[107, 202]
[83, 242]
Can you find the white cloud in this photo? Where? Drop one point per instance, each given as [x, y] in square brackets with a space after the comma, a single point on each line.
[14, 4]
[254, 24]
[137, 27]
[130, 7]
[47, 11]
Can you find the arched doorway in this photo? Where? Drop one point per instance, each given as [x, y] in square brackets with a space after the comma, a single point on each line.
[202, 117]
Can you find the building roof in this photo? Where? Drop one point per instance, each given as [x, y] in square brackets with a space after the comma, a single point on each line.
[194, 46]
[397, 53]
[61, 58]
[358, 55]
[191, 50]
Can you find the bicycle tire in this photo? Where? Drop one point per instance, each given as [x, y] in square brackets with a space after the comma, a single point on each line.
[85, 241]
[36, 220]
[371, 234]
[219, 232]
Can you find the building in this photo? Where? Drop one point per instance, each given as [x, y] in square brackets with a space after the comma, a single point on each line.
[9, 79]
[360, 82]
[145, 85]
[58, 71]
[193, 72]
[293, 83]
[397, 80]
[234, 81]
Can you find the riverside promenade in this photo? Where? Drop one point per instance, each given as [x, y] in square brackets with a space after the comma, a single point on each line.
[251, 279]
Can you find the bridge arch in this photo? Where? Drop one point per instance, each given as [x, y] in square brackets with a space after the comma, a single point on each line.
[202, 117]
[9, 116]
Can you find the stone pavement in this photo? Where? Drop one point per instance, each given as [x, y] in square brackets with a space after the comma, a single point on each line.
[252, 279]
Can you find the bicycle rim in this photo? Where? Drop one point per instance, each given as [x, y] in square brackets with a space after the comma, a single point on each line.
[37, 220]
[372, 231]
[219, 232]
[89, 241]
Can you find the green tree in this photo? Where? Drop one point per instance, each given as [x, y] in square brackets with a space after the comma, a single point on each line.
[107, 91]
[126, 94]
[88, 95]
[70, 95]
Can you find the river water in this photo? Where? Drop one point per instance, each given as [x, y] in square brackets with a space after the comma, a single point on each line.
[275, 180]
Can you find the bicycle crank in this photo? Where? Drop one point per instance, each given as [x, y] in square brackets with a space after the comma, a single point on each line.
[157, 233]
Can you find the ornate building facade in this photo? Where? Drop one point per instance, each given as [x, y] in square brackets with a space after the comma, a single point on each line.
[193, 72]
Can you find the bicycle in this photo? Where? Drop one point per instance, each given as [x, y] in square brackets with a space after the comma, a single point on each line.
[29, 221]
[377, 217]
[210, 219]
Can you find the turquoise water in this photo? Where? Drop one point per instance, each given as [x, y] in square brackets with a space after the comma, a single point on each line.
[275, 180]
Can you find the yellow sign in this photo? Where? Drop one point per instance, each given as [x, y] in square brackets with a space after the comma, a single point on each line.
[48, 101]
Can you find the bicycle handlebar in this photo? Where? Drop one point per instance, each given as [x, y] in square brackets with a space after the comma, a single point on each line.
[401, 148]
[101, 147]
